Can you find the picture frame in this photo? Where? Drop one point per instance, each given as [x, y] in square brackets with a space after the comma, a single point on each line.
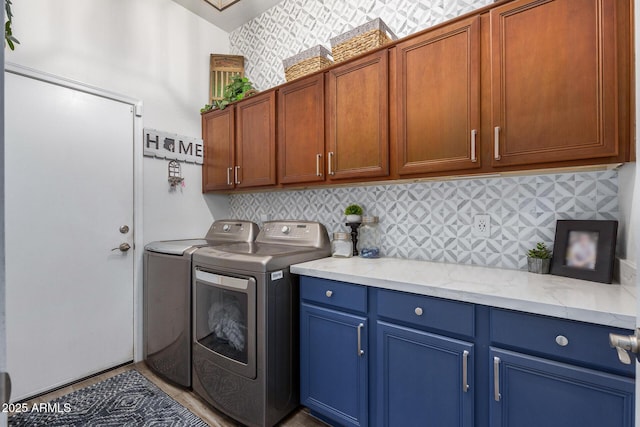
[585, 249]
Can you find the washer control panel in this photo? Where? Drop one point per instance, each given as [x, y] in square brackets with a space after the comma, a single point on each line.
[243, 231]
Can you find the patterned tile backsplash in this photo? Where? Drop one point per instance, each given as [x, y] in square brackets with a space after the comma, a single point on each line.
[432, 220]
[295, 25]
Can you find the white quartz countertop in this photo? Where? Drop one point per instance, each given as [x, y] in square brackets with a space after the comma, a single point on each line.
[611, 305]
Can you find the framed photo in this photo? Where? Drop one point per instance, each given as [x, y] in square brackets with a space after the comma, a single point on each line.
[585, 250]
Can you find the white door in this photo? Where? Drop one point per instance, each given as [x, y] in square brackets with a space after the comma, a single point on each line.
[68, 190]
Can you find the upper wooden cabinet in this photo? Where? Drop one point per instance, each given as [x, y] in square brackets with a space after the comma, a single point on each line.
[301, 131]
[256, 141]
[218, 133]
[438, 103]
[554, 89]
[518, 85]
[358, 118]
[240, 145]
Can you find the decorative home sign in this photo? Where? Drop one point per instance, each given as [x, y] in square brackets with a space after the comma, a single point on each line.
[171, 146]
[585, 250]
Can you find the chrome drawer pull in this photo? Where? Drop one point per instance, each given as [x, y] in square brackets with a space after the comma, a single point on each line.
[474, 133]
[465, 360]
[360, 350]
[562, 341]
[418, 311]
[496, 379]
[328, 294]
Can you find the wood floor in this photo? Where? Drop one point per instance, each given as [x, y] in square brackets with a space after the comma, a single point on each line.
[186, 398]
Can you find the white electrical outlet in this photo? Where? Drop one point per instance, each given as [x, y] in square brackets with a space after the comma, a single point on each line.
[482, 225]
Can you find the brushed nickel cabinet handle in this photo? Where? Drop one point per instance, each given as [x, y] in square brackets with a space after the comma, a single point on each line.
[318, 159]
[474, 133]
[496, 142]
[329, 294]
[360, 350]
[496, 379]
[236, 169]
[330, 163]
[229, 176]
[465, 361]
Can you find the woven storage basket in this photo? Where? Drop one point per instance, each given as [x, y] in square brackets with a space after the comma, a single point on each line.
[307, 62]
[361, 39]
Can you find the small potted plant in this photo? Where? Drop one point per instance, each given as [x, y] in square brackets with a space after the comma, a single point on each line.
[539, 259]
[238, 89]
[353, 213]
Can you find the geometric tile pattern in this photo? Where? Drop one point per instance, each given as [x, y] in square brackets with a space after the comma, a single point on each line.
[296, 25]
[128, 399]
[433, 220]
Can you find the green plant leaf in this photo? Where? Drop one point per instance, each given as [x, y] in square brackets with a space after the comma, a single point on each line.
[353, 210]
[540, 251]
[234, 91]
[8, 32]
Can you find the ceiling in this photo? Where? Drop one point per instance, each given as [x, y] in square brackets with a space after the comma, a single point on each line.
[233, 16]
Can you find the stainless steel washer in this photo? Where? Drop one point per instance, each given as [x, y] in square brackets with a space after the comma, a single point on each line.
[245, 321]
[167, 297]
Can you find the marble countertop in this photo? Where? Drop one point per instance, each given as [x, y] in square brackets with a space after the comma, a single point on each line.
[611, 305]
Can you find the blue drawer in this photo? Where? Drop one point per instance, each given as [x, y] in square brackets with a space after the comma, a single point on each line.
[334, 294]
[427, 312]
[567, 340]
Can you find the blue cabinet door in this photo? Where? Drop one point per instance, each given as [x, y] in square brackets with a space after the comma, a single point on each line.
[423, 379]
[333, 368]
[527, 391]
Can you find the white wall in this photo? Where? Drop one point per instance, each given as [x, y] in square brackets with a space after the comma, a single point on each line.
[3, 334]
[152, 50]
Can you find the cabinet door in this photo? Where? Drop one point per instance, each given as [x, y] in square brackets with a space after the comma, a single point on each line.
[358, 122]
[423, 379]
[333, 371]
[301, 131]
[554, 81]
[256, 141]
[219, 142]
[528, 391]
[438, 110]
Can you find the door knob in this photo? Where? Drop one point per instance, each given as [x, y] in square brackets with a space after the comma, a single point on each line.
[124, 229]
[624, 344]
[124, 247]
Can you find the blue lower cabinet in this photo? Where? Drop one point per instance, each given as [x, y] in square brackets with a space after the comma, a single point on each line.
[423, 379]
[528, 391]
[334, 365]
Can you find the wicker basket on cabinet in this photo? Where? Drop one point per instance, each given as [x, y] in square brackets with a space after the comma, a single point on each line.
[361, 39]
[307, 62]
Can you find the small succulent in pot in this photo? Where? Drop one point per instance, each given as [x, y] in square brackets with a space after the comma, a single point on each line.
[353, 213]
[539, 259]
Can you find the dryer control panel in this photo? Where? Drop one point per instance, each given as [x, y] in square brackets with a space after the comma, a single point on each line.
[298, 233]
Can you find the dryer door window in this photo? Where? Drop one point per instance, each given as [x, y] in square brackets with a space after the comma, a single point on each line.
[224, 318]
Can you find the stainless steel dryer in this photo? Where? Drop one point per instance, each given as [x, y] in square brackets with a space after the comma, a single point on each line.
[167, 297]
[245, 328]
